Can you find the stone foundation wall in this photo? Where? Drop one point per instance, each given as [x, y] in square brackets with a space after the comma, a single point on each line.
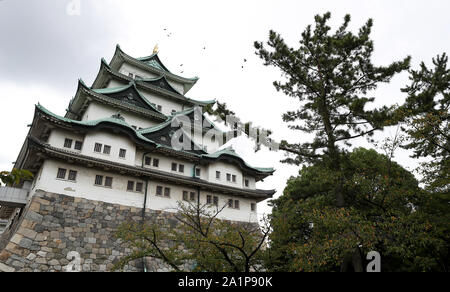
[52, 226]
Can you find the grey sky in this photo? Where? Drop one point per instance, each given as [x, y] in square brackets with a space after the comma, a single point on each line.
[43, 51]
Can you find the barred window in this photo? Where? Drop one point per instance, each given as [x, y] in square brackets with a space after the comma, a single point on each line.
[216, 201]
[233, 178]
[72, 175]
[217, 174]
[185, 196]
[108, 181]
[174, 167]
[106, 149]
[166, 192]
[228, 177]
[155, 162]
[78, 145]
[192, 196]
[139, 187]
[148, 160]
[122, 153]
[130, 185]
[198, 172]
[230, 203]
[208, 199]
[61, 173]
[98, 147]
[68, 143]
[159, 190]
[236, 204]
[99, 180]
[181, 168]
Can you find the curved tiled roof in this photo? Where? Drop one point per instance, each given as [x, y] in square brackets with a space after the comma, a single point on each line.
[139, 134]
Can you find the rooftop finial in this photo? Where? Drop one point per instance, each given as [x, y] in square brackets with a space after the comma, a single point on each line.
[155, 49]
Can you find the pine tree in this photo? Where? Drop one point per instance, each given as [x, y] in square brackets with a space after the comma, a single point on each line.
[331, 74]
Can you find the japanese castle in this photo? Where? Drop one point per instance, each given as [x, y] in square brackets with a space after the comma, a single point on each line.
[119, 142]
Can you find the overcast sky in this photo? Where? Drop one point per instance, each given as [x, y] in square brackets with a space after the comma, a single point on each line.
[46, 45]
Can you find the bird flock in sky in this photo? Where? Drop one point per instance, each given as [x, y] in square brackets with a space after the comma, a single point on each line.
[169, 34]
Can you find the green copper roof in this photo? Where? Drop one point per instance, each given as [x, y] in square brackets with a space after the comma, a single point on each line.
[123, 88]
[117, 120]
[230, 151]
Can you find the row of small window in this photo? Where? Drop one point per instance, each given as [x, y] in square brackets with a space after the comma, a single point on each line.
[133, 186]
[70, 175]
[69, 142]
[175, 166]
[107, 150]
[232, 178]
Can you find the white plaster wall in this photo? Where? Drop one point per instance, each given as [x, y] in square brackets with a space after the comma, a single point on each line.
[58, 136]
[84, 188]
[97, 111]
[166, 104]
[127, 68]
[225, 168]
[116, 142]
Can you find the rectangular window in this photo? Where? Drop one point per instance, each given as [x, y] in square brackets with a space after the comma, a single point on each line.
[236, 204]
[130, 185]
[216, 201]
[159, 190]
[228, 177]
[108, 181]
[122, 153]
[130, 75]
[68, 143]
[230, 203]
[166, 192]
[78, 145]
[198, 172]
[192, 196]
[208, 199]
[107, 149]
[98, 147]
[139, 187]
[174, 167]
[61, 173]
[247, 183]
[253, 207]
[217, 174]
[155, 162]
[181, 168]
[148, 160]
[72, 175]
[159, 107]
[98, 180]
[185, 196]
[137, 77]
[233, 178]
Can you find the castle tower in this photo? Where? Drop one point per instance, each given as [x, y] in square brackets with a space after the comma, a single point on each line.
[129, 141]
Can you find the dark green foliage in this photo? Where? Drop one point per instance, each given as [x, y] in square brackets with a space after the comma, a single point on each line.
[427, 121]
[386, 212]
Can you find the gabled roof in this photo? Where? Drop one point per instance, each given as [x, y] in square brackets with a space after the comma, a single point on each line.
[116, 97]
[128, 94]
[161, 82]
[107, 73]
[154, 66]
[229, 151]
[154, 61]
